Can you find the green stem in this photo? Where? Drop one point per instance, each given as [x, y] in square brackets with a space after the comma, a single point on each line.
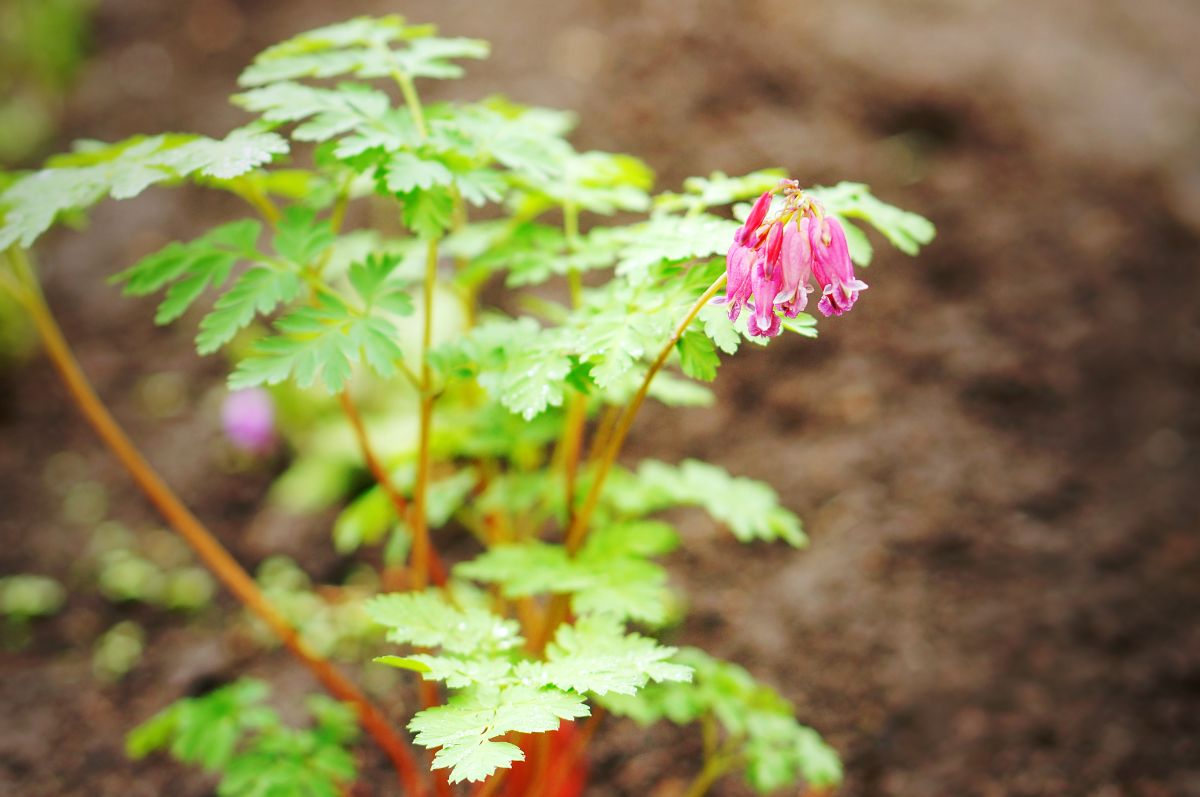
[258, 199]
[714, 769]
[571, 232]
[421, 546]
[409, 91]
[412, 101]
[579, 527]
[710, 734]
[337, 216]
[12, 284]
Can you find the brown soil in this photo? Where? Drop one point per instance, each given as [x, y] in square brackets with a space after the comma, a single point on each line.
[995, 454]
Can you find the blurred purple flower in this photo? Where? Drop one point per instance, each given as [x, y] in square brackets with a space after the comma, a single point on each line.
[248, 417]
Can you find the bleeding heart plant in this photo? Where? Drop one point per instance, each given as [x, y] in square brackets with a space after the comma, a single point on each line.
[468, 419]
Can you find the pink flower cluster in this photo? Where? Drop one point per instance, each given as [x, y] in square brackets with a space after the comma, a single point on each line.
[774, 255]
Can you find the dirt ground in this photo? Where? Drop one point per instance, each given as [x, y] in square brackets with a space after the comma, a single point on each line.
[995, 455]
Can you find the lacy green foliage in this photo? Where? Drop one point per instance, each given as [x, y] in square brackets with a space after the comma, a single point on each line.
[428, 620]
[600, 182]
[701, 193]
[499, 691]
[326, 339]
[907, 231]
[612, 574]
[750, 509]
[33, 202]
[363, 47]
[465, 728]
[760, 730]
[190, 268]
[532, 253]
[674, 239]
[230, 731]
[599, 346]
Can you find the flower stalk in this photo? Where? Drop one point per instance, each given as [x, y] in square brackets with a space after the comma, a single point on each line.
[577, 532]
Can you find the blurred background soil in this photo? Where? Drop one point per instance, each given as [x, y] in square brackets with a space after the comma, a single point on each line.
[995, 454]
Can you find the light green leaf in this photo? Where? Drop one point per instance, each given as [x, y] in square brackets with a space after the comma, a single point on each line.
[371, 280]
[257, 292]
[476, 761]
[404, 171]
[190, 267]
[300, 237]
[427, 620]
[403, 663]
[616, 342]
[803, 324]
[630, 538]
[32, 203]
[459, 673]
[601, 182]
[329, 112]
[320, 342]
[907, 231]
[243, 150]
[608, 577]
[465, 727]
[755, 721]
[362, 47]
[596, 655]
[750, 509]
[697, 356]
[520, 364]
[701, 193]
[427, 212]
[673, 238]
[719, 328]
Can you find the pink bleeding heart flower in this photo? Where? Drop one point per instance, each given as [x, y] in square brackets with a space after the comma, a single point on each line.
[766, 282]
[738, 265]
[747, 234]
[739, 262]
[248, 417]
[832, 267]
[797, 268]
[774, 256]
